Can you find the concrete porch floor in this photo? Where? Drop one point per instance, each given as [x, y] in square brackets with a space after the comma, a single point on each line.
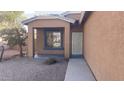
[78, 70]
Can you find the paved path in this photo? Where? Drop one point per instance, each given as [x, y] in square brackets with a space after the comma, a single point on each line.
[78, 70]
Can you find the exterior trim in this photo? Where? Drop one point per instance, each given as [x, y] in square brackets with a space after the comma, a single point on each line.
[70, 12]
[33, 42]
[52, 55]
[76, 56]
[27, 21]
[82, 16]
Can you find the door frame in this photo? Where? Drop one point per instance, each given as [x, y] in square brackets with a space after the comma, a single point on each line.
[76, 55]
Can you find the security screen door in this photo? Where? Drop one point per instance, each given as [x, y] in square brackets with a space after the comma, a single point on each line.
[77, 43]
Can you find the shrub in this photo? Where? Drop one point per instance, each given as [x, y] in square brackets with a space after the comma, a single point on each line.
[50, 61]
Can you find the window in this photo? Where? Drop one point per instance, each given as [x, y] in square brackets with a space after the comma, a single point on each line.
[53, 39]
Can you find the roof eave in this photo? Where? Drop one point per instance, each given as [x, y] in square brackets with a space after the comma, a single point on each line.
[70, 12]
[82, 16]
[85, 17]
[26, 22]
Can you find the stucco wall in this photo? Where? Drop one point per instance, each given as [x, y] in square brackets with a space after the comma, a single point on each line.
[50, 23]
[104, 45]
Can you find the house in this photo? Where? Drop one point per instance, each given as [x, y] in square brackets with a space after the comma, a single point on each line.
[98, 36]
[104, 44]
[52, 34]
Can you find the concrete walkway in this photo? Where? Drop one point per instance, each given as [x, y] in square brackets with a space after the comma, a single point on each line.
[78, 70]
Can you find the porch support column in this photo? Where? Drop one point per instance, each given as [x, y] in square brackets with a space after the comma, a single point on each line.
[30, 41]
[67, 42]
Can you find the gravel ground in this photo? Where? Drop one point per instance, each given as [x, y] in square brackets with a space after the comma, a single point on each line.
[25, 69]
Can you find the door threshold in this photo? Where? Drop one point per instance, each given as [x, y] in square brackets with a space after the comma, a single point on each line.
[76, 56]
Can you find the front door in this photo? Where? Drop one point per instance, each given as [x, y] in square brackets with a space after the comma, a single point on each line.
[77, 44]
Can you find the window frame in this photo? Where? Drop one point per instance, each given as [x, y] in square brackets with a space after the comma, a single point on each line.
[46, 30]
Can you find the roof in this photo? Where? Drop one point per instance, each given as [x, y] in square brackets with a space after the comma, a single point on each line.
[70, 12]
[27, 21]
[84, 16]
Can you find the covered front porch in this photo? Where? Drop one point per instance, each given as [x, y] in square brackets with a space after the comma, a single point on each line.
[49, 37]
[48, 41]
[54, 35]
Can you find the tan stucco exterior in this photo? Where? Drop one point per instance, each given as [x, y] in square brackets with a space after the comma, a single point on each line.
[49, 23]
[104, 45]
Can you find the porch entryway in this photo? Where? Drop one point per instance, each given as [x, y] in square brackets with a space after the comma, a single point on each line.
[77, 44]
